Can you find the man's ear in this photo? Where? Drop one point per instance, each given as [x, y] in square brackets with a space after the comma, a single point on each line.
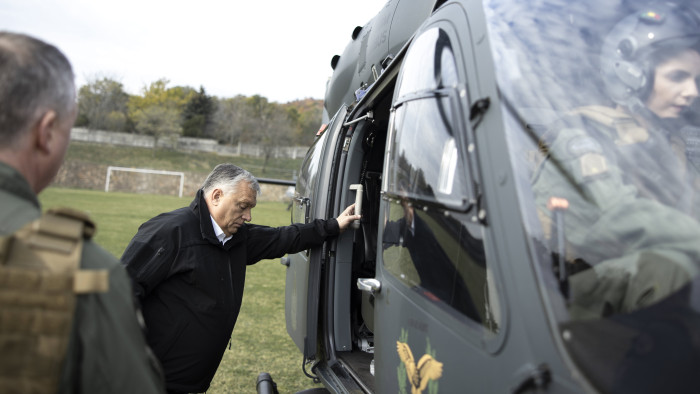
[44, 129]
[216, 196]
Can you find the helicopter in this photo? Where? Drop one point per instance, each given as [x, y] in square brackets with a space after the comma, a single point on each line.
[486, 259]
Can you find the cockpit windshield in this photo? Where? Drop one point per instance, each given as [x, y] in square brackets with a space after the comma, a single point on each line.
[603, 126]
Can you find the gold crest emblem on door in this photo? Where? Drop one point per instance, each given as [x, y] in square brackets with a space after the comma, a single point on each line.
[419, 373]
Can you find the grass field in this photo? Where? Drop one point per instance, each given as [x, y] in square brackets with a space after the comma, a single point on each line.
[260, 342]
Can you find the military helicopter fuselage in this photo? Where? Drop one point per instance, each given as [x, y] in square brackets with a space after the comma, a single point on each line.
[480, 260]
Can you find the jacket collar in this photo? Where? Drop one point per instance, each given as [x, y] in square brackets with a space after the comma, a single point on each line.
[13, 182]
[199, 207]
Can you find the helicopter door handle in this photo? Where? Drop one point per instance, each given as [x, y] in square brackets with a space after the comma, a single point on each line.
[285, 261]
[358, 203]
[370, 285]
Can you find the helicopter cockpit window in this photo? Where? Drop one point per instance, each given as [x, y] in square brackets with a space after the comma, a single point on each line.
[435, 69]
[428, 165]
[429, 242]
[602, 123]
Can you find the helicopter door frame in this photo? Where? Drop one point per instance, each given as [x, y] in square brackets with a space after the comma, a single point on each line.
[303, 276]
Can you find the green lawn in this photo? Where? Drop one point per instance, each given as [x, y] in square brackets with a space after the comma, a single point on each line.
[260, 341]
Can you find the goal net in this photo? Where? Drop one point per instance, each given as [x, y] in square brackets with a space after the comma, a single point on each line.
[144, 181]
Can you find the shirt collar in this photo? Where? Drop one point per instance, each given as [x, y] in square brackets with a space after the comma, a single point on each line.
[219, 232]
[15, 183]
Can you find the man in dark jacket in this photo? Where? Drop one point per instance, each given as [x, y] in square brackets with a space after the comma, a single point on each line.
[189, 265]
[107, 351]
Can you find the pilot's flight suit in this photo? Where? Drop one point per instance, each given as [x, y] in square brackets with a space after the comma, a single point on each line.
[621, 201]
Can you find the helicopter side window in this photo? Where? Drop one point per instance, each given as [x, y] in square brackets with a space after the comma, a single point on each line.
[307, 181]
[429, 242]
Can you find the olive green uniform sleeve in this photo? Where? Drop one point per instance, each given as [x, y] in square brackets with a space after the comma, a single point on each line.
[640, 249]
[108, 352]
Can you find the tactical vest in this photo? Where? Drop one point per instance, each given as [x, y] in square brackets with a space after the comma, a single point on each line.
[40, 277]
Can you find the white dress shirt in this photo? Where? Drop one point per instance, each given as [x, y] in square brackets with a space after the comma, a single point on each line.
[219, 232]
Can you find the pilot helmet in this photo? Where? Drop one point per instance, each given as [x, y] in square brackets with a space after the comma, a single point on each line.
[631, 50]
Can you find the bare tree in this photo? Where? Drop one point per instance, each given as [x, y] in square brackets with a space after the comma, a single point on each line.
[102, 105]
[231, 119]
[271, 126]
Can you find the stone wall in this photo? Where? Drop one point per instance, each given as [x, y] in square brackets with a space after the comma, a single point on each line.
[185, 144]
[81, 175]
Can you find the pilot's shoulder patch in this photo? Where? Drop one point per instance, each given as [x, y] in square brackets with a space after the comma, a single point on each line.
[593, 164]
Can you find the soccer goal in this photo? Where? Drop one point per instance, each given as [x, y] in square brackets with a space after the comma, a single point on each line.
[147, 177]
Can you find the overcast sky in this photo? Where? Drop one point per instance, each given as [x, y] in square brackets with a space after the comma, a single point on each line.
[279, 49]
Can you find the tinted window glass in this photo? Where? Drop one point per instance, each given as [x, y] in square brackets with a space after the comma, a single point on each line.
[440, 256]
[429, 242]
[425, 162]
[434, 67]
[309, 177]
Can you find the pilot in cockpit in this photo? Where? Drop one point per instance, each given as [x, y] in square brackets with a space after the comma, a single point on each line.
[619, 187]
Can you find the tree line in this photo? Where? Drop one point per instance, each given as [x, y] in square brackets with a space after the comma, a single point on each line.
[163, 112]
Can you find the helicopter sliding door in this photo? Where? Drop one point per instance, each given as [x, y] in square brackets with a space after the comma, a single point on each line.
[304, 268]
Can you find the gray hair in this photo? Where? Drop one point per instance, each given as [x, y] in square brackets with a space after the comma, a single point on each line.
[226, 176]
[34, 77]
